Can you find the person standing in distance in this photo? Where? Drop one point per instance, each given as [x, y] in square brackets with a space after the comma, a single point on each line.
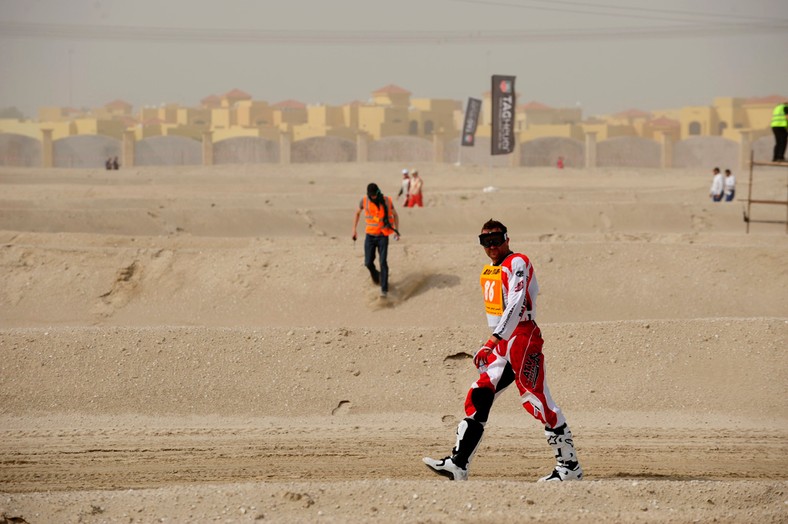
[382, 221]
[404, 190]
[513, 354]
[780, 131]
[416, 184]
[730, 186]
[717, 185]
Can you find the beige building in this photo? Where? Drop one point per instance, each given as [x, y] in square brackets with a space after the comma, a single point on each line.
[428, 116]
[386, 114]
[96, 126]
[289, 113]
[382, 121]
[323, 120]
[392, 112]
[254, 114]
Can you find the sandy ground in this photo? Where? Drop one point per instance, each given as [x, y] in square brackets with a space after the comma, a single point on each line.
[205, 345]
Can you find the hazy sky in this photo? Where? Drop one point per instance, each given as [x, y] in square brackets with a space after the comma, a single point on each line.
[605, 55]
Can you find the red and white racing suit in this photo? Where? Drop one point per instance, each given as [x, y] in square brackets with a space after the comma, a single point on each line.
[510, 301]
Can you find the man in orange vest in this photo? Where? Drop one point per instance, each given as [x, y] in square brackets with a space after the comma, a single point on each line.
[382, 221]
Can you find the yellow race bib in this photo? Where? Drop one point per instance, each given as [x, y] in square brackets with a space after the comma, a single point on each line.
[492, 290]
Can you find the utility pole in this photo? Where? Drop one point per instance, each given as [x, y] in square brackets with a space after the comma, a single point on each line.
[70, 78]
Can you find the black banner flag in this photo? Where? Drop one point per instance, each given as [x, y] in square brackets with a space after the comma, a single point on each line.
[471, 121]
[502, 142]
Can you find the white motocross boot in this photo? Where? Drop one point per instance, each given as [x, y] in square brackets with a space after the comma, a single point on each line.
[455, 467]
[567, 467]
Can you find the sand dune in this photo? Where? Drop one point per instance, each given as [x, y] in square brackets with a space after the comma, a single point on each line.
[199, 344]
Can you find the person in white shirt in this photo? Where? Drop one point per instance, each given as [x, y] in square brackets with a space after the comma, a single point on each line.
[404, 190]
[717, 183]
[730, 185]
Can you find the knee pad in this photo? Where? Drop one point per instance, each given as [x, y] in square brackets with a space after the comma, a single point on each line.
[482, 400]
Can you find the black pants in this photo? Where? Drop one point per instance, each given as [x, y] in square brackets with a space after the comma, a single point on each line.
[780, 139]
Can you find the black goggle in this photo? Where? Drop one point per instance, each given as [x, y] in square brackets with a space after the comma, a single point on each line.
[492, 239]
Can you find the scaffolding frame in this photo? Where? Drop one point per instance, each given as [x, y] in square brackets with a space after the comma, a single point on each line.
[750, 201]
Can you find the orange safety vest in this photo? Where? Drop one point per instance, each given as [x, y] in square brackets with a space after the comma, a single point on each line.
[373, 214]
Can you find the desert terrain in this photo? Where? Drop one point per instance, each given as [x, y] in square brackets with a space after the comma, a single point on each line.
[204, 344]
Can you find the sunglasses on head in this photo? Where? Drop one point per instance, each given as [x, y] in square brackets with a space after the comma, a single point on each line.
[494, 239]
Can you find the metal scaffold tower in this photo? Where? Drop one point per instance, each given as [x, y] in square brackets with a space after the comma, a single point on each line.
[750, 201]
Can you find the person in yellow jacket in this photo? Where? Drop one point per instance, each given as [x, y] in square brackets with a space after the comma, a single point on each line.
[382, 222]
[780, 130]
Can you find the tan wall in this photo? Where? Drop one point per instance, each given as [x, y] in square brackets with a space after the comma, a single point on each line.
[437, 105]
[393, 129]
[350, 115]
[732, 134]
[439, 112]
[537, 117]
[484, 130]
[290, 116]
[370, 119]
[759, 116]
[94, 126]
[485, 115]
[396, 122]
[235, 131]
[442, 123]
[422, 104]
[142, 132]
[458, 118]
[656, 133]
[380, 122]
[62, 129]
[51, 114]
[222, 118]
[305, 131]
[113, 128]
[570, 115]
[328, 116]
[702, 115]
[605, 131]
[102, 113]
[169, 113]
[188, 116]
[254, 114]
[33, 129]
[557, 130]
[194, 132]
[729, 110]
[86, 126]
[148, 113]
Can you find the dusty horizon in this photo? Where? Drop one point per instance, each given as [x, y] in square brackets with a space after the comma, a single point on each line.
[680, 53]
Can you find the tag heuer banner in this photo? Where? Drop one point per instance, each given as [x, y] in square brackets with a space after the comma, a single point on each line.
[471, 121]
[502, 115]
